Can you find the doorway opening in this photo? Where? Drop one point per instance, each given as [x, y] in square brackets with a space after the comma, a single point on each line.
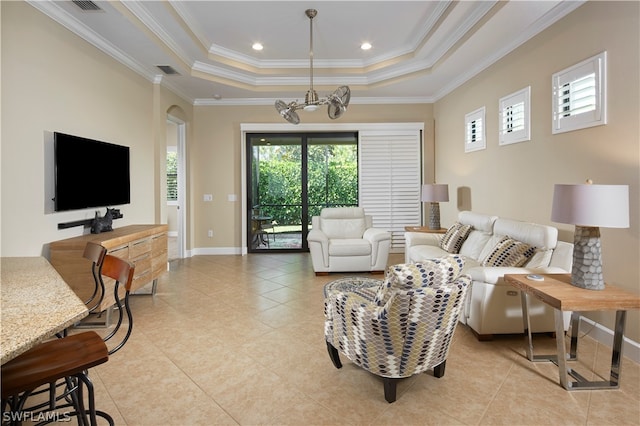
[290, 178]
[175, 172]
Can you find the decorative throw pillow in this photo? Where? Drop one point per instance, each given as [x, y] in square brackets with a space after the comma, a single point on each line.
[509, 252]
[454, 237]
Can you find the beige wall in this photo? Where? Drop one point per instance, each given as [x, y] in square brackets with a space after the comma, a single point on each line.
[216, 159]
[517, 180]
[53, 81]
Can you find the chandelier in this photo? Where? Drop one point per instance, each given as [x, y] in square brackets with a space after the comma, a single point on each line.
[337, 101]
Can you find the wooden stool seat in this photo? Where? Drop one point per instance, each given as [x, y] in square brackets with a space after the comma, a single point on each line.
[51, 361]
[68, 358]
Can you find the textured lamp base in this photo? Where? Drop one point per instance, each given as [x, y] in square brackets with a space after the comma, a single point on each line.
[434, 215]
[587, 260]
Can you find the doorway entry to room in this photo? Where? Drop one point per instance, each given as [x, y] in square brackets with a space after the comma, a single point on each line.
[290, 178]
[175, 164]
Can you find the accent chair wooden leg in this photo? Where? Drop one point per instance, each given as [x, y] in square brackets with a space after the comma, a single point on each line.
[390, 389]
[334, 355]
[438, 370]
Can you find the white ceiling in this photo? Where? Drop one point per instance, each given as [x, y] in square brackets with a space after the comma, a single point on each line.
[421, 51]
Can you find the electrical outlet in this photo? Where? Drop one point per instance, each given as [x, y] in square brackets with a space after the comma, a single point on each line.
[210, 233]
[208, 197]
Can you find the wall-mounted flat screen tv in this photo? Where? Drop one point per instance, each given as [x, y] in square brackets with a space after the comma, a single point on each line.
[89, 173]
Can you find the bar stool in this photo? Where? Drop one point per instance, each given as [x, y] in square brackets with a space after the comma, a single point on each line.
[95, 253]
[69, 359]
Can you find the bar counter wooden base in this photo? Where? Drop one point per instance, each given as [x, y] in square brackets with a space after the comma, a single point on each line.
[557, 291]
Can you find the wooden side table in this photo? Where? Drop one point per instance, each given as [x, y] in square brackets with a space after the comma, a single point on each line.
[425, 229]
[556, 291]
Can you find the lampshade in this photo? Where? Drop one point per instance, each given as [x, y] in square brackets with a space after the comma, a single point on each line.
[435, 192]
[591, 205]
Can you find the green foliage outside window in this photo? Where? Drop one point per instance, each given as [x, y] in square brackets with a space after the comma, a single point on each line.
[332, 180]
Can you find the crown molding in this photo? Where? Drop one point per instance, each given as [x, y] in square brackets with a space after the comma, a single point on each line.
[147, 20]
[59, 15]
[271, 102]
[550, 18]
[220, 72]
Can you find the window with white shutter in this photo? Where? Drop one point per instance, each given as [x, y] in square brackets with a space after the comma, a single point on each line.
[390, 179]
[579, 95]
[514, 117]
[475, 133]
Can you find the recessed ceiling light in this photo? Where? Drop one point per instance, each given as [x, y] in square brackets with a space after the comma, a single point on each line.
[257, 46]
[365, 46]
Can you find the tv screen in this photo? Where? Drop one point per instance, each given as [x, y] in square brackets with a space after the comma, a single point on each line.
[89, 173]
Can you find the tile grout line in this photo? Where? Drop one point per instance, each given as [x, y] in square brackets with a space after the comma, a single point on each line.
[495, 394]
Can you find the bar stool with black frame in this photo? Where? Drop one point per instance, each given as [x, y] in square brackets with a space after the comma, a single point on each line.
[68, 358]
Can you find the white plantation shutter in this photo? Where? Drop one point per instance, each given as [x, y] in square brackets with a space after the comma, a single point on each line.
[514, 117]
[475, 133]
[580, 95]
[390, 170]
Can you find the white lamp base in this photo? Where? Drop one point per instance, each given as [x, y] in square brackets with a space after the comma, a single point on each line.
[434, 215]
[587, 259]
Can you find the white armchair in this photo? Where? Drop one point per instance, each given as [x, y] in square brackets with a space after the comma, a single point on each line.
[342, 239]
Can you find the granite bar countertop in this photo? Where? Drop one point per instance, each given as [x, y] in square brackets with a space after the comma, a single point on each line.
[36, 304]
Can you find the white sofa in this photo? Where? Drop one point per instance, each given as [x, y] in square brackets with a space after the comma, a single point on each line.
[493, 306]
[342, 239]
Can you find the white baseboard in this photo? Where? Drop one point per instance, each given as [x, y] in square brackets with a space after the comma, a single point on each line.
[602, 334]
[216, 250]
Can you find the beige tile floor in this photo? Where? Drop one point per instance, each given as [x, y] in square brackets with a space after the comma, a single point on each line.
[239, 340]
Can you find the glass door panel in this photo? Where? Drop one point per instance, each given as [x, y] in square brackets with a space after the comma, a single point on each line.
[275, 193]
[292, 177]
[332, 179]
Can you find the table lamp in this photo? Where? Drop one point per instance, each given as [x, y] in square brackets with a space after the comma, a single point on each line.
[434, 193]
[588, 207]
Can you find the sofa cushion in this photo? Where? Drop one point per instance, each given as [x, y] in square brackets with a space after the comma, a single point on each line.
[534, 234]
[478, 221]
[473, 245]
[454, 237]
[343, 228]
[492, 242]
[540, 259]
[349, 247]
[509, 252]
[423, 252]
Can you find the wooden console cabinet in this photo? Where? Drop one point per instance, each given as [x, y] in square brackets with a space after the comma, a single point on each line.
[143, 245]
